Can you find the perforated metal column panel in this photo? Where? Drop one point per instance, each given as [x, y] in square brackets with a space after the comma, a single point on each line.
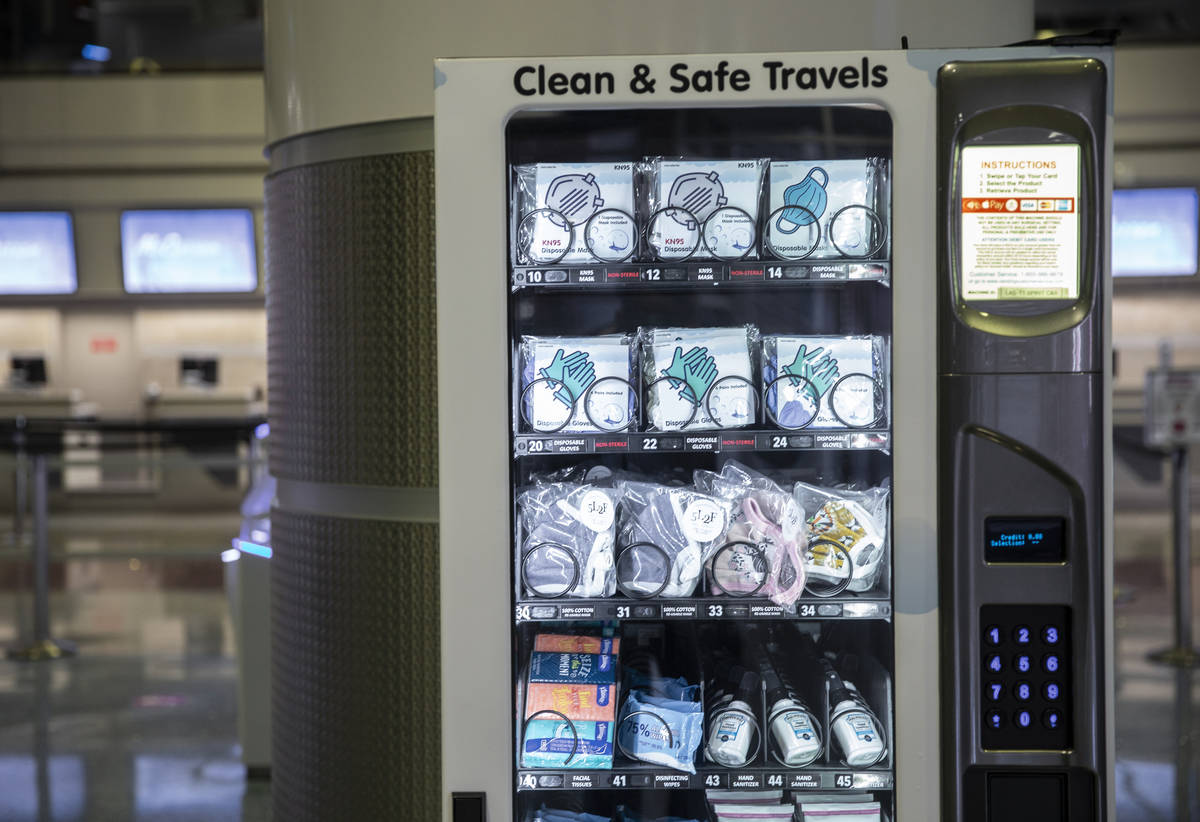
[352, 374]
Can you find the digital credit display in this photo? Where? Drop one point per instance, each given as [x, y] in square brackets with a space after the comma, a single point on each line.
[187, 251]
[1020, 222]
[37, 253]
[1025, 539]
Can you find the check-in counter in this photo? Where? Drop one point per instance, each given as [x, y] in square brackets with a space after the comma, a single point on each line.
[195, 402]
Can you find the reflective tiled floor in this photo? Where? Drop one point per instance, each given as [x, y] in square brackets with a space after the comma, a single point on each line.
[141, 725]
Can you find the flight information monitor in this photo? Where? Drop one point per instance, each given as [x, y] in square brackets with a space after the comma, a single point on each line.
[189, 251]
[37, 253]
[1155, 232]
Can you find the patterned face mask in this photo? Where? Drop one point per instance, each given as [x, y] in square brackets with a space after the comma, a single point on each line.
[810, 197]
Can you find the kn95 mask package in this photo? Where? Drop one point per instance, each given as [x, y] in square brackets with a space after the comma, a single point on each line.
[573, 213]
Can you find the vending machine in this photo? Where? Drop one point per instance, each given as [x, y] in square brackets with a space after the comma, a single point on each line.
[773, 391]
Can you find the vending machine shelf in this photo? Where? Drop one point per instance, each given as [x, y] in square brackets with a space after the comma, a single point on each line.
[724, 441]
[817, 777]
[849, 606]
[702, 274]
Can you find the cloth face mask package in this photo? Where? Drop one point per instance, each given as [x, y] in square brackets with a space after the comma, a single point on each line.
[569, 534]
[577, 384]
[699, 378]
[825, 382]
[573, 213]
[831, 209]
[703, 209]
[667, 534]
[766, 517]
[854, 520]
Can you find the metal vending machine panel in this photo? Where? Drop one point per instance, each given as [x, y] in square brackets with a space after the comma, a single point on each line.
[689, 433]
[1023, 398]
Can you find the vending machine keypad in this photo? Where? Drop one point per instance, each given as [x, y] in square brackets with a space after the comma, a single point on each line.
[1026, 677]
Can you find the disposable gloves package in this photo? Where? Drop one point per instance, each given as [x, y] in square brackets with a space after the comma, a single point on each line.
[825, 381]
[577, 384]
[699, 378]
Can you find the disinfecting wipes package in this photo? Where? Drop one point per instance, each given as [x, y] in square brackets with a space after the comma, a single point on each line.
[576, 384]
[824, 381]
[699, 378]
[703, 209]
[831, 209]
[573, 213]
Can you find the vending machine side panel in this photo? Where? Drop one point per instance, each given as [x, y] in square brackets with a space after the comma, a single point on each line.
[1023, 448]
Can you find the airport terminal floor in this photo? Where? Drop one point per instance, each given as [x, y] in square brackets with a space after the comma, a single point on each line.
[141, 725]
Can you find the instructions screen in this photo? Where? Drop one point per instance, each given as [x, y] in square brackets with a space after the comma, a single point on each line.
[1020, 222]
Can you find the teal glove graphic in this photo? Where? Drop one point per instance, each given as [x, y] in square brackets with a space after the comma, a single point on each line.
[691, 373]
[576, 372]
[821, 369]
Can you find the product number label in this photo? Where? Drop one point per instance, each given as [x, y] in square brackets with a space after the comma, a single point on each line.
[654, 274]
[619, 780]
[808, 610]
[843, 780]
[774, 272]
[716, 610]
[623, 612]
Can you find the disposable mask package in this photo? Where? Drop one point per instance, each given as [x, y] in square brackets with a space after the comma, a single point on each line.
[826, 381]
[703, 209]
[699, 378]
[567, 534]
[667, 534]
[829, 209]
[576, 384]
[660, 730]
[765, 517]
[573, 213]
[854, 520]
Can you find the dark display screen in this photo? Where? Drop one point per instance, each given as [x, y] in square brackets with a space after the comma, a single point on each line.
[1025, 539]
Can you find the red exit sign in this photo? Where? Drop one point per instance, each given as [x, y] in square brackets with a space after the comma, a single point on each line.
[103, 345]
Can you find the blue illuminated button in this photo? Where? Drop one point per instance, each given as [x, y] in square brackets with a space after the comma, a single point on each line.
[992, 635]
[1051, 691]
[1024, 719]
[995, 691]
[1050, 663]
[1050, 635]
[1022, 635]
[1052, 719]
[1023, 664]
[994, 720]
[995, 664]
[1023, 691]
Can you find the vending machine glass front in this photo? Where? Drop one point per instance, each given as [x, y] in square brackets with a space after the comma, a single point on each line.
[700, 321]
